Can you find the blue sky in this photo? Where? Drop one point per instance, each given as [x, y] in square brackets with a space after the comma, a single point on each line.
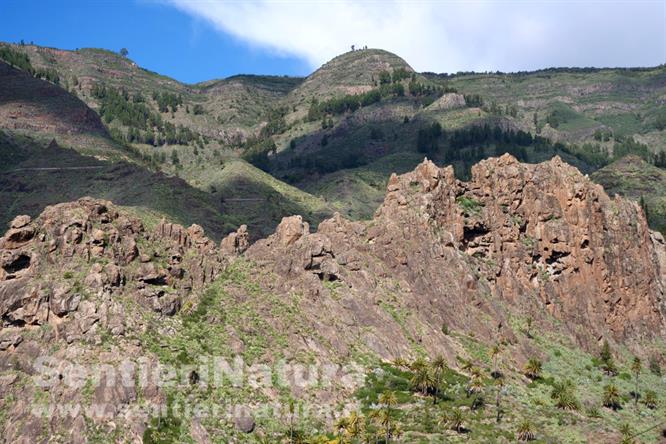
[195, 40]
[158, 36]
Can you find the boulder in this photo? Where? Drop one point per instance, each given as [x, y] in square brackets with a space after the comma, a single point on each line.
[244, 423]
[63, 300]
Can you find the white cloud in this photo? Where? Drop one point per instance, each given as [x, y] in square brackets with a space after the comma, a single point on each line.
[448, 36]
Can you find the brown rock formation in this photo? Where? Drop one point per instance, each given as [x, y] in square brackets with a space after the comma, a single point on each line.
[516, 240]
[542, 240]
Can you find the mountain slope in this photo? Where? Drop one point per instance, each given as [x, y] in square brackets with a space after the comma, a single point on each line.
[577, 102]
[636, 179]
[445, 268]
[349, 73]
[34, 175]
[45, 111]
[308, 133]
[37, 107]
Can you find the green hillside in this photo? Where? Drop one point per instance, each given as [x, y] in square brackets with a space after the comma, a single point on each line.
[338, 133]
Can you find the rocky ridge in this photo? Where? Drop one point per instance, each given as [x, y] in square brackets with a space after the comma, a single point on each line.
[517, 240]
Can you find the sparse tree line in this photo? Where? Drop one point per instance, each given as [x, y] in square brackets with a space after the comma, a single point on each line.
[452, 146]
[144, 125]
[498, 110]
[388, 84]
[467, 145]
[21, 61]
[546, 72]
[167, 101]
[257, 149]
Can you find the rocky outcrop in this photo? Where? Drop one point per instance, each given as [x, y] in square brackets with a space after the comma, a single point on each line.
[88, 248]
[447, 102]
[541, 240]
[236, 243]
[545, 237]
[516, 241]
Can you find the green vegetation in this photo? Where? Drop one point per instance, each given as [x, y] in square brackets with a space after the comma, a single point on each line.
[144, 125]
[167, 101]
[469, 205]
[21, 61]
[350, 103]
[342, 147]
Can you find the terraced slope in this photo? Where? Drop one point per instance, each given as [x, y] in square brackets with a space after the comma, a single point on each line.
[636, 179]
[625, 102]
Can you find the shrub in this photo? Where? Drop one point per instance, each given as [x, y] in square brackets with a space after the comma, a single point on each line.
[606, 359]
[563, 394]
[469, 205]
[455, 420]
[650, 399]
[533, 368]
[611, 397]
[525, 431]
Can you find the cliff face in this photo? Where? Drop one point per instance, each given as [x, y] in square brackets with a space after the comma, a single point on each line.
[538, 241]
[440, 255]
[546, 239]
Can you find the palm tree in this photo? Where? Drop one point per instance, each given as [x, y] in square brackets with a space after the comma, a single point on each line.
[438, 366]
[355, 425]
[341, 425]
[636, 368]
[625, 430]
[387, 400]
[563, 394]
[611, 397]
[499, 383]
[650, 399]
[525, 431]
[466, 365]
[533, 368]
[401, 363]
[475, 384]
[475, 387]
[455, 420]
[423, 379]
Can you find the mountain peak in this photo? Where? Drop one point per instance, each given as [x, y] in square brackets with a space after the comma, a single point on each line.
[352, 72]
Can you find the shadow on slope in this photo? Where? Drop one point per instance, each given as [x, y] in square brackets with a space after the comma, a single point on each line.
[34, 176]
[34, 106]
[251, 196]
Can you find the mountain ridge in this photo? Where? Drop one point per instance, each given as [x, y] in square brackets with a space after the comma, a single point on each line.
[420, 279]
